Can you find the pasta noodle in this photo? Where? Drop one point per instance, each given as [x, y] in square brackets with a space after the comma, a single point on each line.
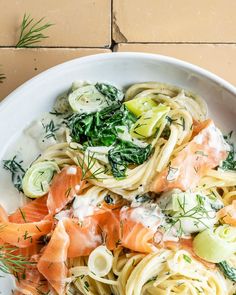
[168, 270]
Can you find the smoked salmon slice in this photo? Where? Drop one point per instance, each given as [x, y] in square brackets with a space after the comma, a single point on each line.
[24, 235]
[52, 263]
[109, 225]
[84, 236]
[135, 235]
[64, 187]
[94, 230]
[31, 282]
[205, 151]
[33, 211]
[3, 215]
[228, 214]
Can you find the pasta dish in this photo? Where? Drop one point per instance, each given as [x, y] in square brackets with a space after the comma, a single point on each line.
[132, 193]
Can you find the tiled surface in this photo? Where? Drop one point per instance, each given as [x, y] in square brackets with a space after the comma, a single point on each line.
[202, 32]
[22, 64]
[175, 20]
[217, 58]
[77, 23]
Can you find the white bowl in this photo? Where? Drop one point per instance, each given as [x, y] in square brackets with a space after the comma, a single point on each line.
[37, 96]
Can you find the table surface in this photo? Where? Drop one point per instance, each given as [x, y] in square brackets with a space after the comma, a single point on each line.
[202, 32]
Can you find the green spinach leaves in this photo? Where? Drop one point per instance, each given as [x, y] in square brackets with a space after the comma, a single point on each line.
[100, 129]
[125, 153]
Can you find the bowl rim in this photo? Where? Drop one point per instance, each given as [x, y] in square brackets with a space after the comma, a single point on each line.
[116, 55]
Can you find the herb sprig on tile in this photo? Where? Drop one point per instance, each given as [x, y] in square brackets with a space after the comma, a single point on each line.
[31, 31]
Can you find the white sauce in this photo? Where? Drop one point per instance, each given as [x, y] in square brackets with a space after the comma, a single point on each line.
[71, 170]
[83, 206]
[148, 215]
[63, 214]
[44, 136]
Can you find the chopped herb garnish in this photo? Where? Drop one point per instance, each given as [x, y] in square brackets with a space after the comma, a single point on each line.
[187, 258]
[22, 214]
[50, 130]
[2, 77]
[17, 171]
[86, 286]
[230, 162]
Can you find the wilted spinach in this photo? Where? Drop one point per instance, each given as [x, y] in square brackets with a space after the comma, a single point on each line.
[111, 92]
[99, 129]
[125, 153]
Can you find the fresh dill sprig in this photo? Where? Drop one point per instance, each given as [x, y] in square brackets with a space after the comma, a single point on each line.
[2, 77]
[10, 262]
[17, 171]
[86, 164]
[32, 31]
[197, 213]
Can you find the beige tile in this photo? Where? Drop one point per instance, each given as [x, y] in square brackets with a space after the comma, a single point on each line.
[220, 59]
[20, 65]
[174, 20]
[78, 23]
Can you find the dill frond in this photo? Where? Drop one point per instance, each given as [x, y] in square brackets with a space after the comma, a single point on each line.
[32, 31]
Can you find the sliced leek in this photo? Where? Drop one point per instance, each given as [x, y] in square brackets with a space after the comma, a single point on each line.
[215, 245]
[148, 124]
[87, 99]
[100, 261]
[38, 177]
[138, 106]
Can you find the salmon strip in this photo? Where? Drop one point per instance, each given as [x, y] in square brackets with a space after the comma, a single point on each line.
[64, 187]
[3, 215]
[32, 282]
[52, 264]
[205, 151]
[84, 237]
[109, 225]
[134, 235]
[24, 235]
[228, 214]
[33, 211]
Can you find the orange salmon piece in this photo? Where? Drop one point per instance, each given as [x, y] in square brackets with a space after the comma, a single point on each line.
[32, 282]
[33, 211]
[134, 235]
[23, 235]
[64, 187]
[109, 224]
[205, 151]
[228, 214]
[84, 236]
[3, 215]
[52, 264]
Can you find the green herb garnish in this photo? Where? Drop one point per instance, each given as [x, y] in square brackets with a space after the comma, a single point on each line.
[10, 262]
[32, 31]
[17, 171]
[2, 77]
[230, 162]
[50, 130]
[187, 258]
